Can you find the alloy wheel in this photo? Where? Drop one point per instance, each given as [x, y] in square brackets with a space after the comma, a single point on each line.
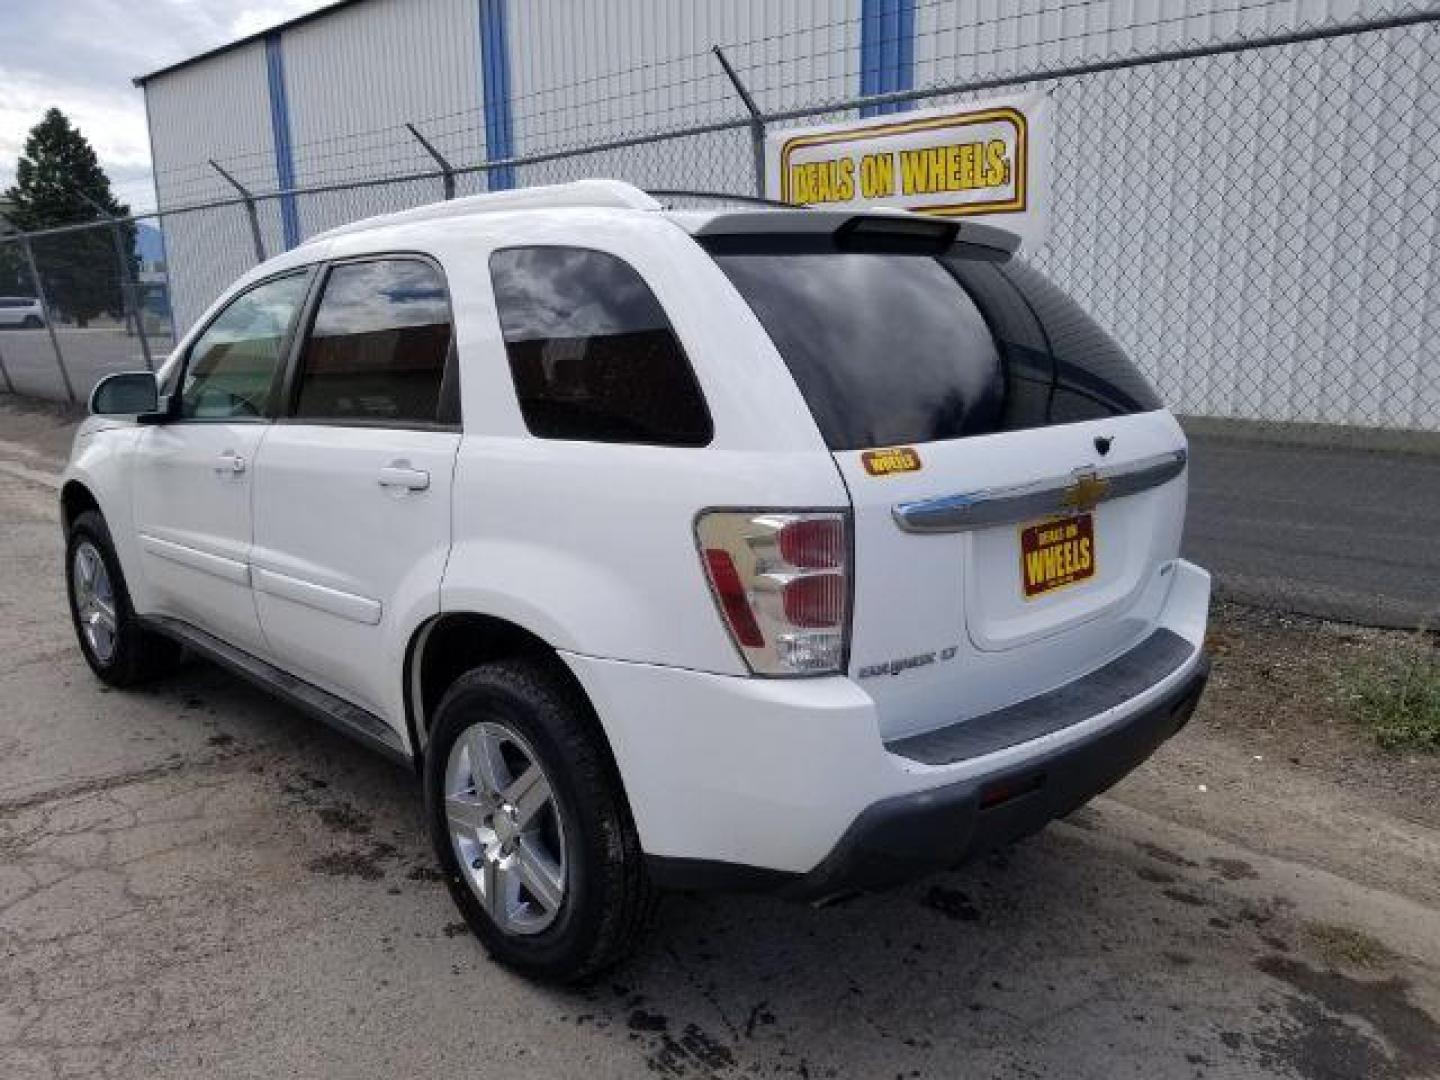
[94, 601]
[505, 827]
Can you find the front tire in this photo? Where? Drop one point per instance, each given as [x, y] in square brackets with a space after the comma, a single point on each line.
[531, 826]
[115, 644]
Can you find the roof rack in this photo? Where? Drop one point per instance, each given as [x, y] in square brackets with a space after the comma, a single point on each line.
[606, 193]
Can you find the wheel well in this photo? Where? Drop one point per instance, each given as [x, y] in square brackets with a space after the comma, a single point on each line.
[75, 499]
[448, 646]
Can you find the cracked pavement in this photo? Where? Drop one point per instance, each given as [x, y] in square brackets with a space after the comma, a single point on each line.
[196, 880]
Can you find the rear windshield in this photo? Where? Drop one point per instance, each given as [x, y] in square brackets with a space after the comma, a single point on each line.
[899, 348]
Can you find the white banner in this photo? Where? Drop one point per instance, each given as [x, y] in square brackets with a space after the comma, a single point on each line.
[982, 158]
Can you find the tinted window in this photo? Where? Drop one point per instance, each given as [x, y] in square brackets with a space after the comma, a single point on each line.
[889, 348]
[232, 364]
[378, 345]
[885, 348]
[1093, 376]
[591, 352]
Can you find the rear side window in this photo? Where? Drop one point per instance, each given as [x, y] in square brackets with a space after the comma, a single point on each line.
[894, 348]
[378, 347]
[591, 352]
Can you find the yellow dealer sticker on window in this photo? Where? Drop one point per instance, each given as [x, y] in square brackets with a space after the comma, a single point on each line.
[892, 460]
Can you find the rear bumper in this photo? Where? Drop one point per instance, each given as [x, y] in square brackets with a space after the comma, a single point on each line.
[906, 836]
[786, 785]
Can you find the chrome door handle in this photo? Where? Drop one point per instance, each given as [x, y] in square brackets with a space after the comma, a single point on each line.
[230, 463]
[402, 476]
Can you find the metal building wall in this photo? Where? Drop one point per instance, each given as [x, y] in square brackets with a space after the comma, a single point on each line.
[356, 77]
[584, 71]
[217, 109]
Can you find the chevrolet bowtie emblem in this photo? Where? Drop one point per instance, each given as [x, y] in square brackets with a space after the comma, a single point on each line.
[1085, 493]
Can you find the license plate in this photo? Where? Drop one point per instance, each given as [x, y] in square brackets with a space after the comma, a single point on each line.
[1056, 553]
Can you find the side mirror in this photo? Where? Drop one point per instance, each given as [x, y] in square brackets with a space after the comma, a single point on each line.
[128, 393]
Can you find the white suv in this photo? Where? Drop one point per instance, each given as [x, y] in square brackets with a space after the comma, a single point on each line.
[24, 311]
[742, 548]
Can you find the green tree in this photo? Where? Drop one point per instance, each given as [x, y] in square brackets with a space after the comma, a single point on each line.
[58, 181]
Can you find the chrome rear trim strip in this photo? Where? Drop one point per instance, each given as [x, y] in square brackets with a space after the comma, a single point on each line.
[1038, 499]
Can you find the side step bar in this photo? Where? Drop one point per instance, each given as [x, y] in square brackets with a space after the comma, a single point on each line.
[364, 727]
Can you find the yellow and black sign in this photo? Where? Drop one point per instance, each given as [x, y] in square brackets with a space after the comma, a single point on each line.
[895, 459]
[1056, 553]
[980, 158]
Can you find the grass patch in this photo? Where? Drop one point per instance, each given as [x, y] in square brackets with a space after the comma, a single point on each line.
[1342, 945]
[1396, 696]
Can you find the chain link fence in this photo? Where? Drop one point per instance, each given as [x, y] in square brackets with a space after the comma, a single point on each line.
[1254, 220]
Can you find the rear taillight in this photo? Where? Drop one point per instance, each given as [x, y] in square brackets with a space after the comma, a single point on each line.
[781, 582]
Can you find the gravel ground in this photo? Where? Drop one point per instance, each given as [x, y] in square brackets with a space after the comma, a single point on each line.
[195, 880]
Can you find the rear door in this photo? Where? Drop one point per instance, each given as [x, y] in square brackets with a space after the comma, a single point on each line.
[1017, 490]
[352, 486]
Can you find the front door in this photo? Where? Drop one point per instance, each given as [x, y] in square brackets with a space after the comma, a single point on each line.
[352, 486]
[193, 475]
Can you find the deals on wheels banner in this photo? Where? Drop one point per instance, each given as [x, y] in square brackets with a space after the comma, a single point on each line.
[981, 158]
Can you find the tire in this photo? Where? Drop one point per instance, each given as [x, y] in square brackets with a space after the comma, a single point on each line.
[514, 714]
[116, 646]
[32, 322]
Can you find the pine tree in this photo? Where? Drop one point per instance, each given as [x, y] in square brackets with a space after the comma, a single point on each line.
[54, 177]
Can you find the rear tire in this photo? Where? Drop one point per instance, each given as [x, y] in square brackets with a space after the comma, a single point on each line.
[531, 826]
[32, 322]
[115, 644]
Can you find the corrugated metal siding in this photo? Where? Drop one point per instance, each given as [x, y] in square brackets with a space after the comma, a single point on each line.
[585, 72]
[962, 39]
[357, 76]
[1259, 228]
[218, 109]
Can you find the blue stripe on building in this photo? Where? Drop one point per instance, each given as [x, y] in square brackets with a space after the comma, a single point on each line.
[887, 51]
[280, 130]
[495, 88]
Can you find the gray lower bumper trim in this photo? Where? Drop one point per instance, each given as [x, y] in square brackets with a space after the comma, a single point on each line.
[1125, 677]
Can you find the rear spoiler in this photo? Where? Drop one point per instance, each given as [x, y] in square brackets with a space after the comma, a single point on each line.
[880, 229]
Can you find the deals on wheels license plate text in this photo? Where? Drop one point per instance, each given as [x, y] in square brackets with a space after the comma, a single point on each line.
[1056, 553]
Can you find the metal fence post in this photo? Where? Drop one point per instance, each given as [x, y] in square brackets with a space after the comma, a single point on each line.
[9, 385]
[447, 174]
[49, 320]
[757, 122]
[249, 210]
[127, 286]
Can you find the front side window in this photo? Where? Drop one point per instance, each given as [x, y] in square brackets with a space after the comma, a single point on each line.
[378, 347]
[232, 364]
[592, 354]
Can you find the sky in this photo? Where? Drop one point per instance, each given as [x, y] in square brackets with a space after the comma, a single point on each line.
[80, 55]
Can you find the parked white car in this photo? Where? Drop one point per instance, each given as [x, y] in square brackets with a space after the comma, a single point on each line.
[24, 311]
[743, 548]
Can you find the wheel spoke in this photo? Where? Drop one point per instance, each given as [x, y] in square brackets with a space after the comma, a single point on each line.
[104, 612]
[539, 875]
[528, 794]
[465, 812]
[487, 765]
[491, 888]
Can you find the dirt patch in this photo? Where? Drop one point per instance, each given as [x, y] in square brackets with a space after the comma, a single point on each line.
[1320, 1041]
[952, 903]
[1275, 690]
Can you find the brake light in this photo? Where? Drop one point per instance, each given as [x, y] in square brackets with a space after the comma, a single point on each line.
[781, 582]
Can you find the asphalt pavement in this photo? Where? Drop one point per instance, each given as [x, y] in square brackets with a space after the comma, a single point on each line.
[1342, 533]
[195, 880]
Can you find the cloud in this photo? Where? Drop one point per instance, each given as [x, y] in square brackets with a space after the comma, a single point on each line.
[80, 55]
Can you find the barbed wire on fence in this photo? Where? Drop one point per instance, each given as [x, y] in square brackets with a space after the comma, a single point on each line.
[1253, 291]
